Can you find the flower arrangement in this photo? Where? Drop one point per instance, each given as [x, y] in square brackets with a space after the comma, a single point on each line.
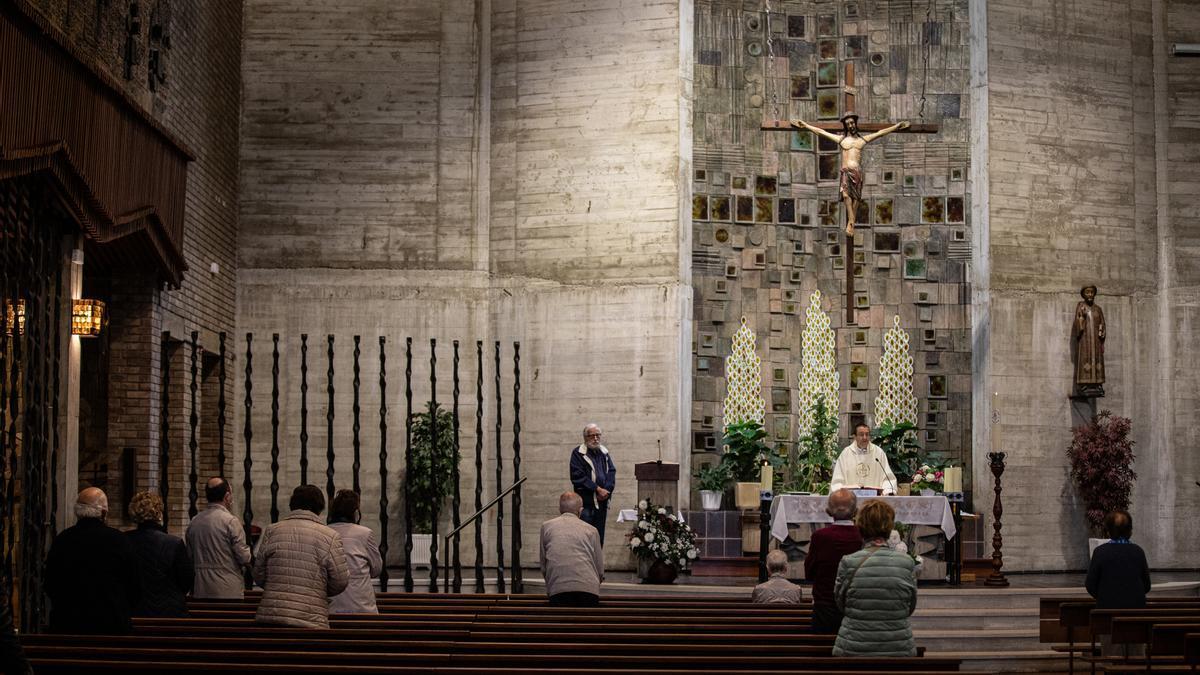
[928, 478]
[662, 536]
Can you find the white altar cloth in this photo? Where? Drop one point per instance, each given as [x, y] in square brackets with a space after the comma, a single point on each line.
[811, 509]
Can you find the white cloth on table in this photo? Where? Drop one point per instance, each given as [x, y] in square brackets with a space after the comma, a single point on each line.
[630, 516]
[909, 510]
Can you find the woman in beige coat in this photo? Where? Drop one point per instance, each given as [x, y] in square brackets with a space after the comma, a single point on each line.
[300, 565]
[362, 556]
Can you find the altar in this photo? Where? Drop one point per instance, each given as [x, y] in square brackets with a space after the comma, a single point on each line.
[934, 519]
[914, 510]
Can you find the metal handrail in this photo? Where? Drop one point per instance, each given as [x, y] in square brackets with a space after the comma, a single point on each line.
[470, 519]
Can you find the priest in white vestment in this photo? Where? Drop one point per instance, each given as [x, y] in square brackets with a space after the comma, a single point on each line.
[863, 464]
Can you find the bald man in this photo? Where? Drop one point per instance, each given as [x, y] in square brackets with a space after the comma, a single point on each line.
[570, 556]
[829, 544]
[217, 543]
[91, 573]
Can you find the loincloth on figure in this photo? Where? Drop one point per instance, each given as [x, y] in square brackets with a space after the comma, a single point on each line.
[851, 182]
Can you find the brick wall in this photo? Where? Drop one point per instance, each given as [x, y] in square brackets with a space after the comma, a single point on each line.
[199, 102]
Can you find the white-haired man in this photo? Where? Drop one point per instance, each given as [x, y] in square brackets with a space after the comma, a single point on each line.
[595, 477]
[777, 590]
[92, 573]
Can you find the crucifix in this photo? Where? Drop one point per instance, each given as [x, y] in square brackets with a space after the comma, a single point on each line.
[846, 133]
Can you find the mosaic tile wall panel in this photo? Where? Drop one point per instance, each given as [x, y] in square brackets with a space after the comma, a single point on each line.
[766, 217]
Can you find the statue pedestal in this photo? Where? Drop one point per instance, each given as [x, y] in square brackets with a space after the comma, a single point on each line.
[1083, 409]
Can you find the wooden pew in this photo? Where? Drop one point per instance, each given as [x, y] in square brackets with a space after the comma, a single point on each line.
[673, 625]
[1068, 619]
[438, 633]
[81, 667]
[480, 661]
[329, 642]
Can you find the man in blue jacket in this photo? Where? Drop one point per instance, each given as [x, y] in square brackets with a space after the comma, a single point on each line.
[594, 476]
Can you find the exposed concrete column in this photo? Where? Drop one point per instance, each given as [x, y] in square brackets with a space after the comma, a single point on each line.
[981, 268]
[68, 420]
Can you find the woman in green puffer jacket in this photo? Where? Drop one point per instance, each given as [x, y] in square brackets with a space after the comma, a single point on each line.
[876, 591]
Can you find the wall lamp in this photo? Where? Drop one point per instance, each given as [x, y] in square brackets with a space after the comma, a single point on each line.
[87, 318]
[14, 316]
[1184, 49]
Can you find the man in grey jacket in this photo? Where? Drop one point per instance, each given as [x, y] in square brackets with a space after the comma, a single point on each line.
[570, 555]
[777, 590]
[300, 565]
[217, 542]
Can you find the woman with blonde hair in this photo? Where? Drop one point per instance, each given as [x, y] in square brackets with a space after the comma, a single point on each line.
[876, 591]
[164, 565]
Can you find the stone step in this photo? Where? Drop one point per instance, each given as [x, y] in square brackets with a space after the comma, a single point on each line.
[1009, 661]
[982, 599]
[984, 639]
[949, 619]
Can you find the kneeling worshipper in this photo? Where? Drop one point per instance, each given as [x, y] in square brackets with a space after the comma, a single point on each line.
[863, 464]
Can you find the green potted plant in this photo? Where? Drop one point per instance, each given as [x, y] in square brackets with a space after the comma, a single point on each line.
[744, 454]
[810, 463]
[711, 481]
[432, 476]
[1101, 456]
[898, 442]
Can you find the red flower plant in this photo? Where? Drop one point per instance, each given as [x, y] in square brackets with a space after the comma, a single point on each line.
[1101, 457]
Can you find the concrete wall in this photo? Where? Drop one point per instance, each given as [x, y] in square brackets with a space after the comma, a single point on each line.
[486, 171]
[1086, 139]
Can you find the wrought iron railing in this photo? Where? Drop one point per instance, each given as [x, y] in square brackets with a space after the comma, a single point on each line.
[474, 518]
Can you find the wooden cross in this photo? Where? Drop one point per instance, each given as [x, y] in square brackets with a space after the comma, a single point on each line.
[849, 94]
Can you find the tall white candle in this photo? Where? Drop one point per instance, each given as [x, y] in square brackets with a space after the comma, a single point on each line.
[997, 443]
[767, 479]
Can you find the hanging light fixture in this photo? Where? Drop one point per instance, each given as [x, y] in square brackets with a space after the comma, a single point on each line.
[87, 317]
[14, 316]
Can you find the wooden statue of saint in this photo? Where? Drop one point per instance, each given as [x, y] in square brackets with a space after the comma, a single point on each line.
[1088, 334]
[851, 174]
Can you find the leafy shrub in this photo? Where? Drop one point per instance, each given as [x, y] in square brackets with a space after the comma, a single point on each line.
[810, 465]
[432, 475]
[898, 442]
[745, 451]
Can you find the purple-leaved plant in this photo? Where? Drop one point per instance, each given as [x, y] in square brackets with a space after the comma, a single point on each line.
[1101, 455]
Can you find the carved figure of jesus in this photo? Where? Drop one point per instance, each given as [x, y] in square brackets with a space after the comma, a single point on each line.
[851, 143]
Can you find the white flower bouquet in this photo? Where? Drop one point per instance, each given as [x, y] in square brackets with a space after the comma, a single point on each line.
[662, 536]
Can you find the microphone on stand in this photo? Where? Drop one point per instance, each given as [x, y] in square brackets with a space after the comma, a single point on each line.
[885, 476]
